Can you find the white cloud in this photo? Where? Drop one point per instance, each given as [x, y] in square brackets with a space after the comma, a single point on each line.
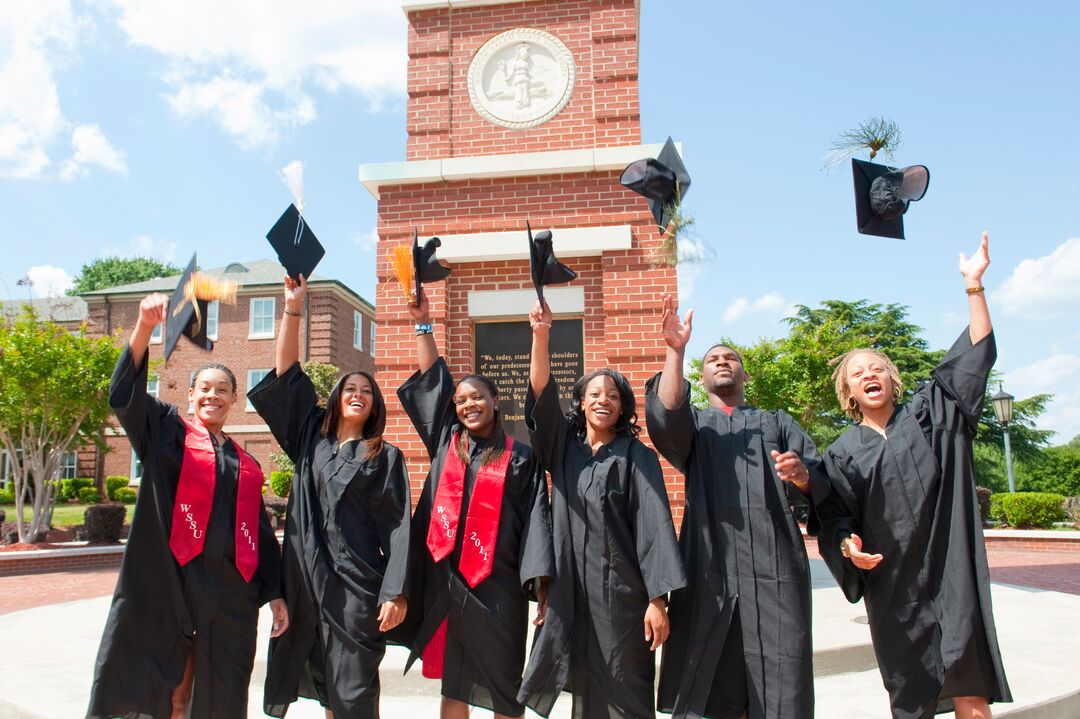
[144, 246]
[244, 64]
[367, 242]
[49, 281]
[771, 303]
[37, 37]
[1059, 375]
[692, 256]
[92, 148]
[1044, 287]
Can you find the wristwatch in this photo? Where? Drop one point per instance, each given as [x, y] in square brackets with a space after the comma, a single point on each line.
[845, 552]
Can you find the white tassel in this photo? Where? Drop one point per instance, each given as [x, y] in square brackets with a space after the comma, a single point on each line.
[293, 176]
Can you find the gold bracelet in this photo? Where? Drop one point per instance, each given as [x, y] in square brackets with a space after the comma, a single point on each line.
[975, 290]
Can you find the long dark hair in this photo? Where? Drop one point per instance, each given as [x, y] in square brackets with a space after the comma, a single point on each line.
[491, 454]
[627, 422]
[372, 431]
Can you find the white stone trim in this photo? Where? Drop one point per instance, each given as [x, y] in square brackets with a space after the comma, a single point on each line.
[567, 242]
[457, 169]
[409, 6]
[518, 303]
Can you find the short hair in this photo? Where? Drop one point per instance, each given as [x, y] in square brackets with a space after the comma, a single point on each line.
[372, 431]
[498, 435]
[218, 366]
[726, 346]
[627, 422]
[843, 393]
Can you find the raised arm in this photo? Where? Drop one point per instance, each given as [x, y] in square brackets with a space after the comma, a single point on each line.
[671, 389]
[288, 342]
[540, 357]
[152, 311]
[972, 268]
[426, 351]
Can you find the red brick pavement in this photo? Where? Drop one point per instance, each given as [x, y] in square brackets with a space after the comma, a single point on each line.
[1054, 571]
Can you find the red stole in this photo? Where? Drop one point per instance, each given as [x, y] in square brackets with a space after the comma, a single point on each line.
[195, 496]
[481, 530]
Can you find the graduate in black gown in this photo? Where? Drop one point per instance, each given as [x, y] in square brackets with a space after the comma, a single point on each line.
[181, 631]
[741, 630]
[346, 536]
[901, 527]
[616, 555]
[481, 538]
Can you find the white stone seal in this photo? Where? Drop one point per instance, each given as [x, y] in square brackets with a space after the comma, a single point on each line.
[521, 78]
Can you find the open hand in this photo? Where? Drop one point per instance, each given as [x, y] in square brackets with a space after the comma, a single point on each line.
[857, 556]
[676, 333]
[280, 610]
[392, 613]
[972, 268]
[657, 628]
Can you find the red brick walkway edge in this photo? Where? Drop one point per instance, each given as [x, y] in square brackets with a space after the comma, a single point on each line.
[1030, 540]
[59, 560]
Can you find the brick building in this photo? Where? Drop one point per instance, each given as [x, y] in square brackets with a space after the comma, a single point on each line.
[518, 111]
[338, 327]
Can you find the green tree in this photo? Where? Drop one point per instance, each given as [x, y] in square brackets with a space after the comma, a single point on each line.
[114, 271]
[53, 389]
[324, 376]
[1056, 470]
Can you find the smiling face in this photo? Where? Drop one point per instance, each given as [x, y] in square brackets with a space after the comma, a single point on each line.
[357, 400]
[869, 381]
[601, 403]
[722, 371]
[212, 394]
[475, 406]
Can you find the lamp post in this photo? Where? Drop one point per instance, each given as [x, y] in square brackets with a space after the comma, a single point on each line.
[1003, 412]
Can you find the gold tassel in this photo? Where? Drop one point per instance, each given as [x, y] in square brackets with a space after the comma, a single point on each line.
[206, 287]
[401, 259]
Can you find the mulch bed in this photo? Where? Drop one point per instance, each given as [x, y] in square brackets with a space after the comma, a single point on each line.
[53, 537]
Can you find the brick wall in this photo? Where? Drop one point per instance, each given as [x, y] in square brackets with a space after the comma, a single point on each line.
[602, 36]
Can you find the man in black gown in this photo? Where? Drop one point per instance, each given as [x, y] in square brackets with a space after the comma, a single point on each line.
[740, 631]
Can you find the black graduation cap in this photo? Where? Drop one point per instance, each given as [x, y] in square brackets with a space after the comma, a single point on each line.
[187, 315]
[425, 267]
[543, 265]
[662, 182]
[882, 195]
[298, 249]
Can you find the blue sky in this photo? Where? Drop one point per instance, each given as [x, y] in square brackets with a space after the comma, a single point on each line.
[136, 127]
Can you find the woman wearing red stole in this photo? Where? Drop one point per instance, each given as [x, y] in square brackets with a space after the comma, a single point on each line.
[201, 557]
[481, 538]
[346, 537]
[616, 556]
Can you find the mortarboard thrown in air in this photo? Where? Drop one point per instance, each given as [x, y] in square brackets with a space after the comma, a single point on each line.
[188, 306]
[298, 250]
[544, 267]
[663, 181]
[882, 196]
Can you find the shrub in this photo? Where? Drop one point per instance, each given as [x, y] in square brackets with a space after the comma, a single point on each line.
[7, 496]
[281, 483]
[1028, 510]
[124, 495]
[69, 488]
[114, 483]
[89, 495]
[982, 494]
[104, 523]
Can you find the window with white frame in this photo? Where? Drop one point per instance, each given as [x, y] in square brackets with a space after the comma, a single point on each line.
[69, 464]
[155, 336]
[357, 330]
[136, 469]
[371, 338]
[153, 386]
[261, 323]
[255, 376]
[212, 310]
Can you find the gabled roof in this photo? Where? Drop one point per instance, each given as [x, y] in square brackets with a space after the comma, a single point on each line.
[53, 309]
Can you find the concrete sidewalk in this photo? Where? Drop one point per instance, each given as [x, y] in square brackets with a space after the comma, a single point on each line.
[1037, 629]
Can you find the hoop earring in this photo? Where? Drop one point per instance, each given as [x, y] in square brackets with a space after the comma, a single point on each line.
[852, 405]
[897, 394]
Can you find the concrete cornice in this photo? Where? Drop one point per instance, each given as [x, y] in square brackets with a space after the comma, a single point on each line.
[566, 241]
[409, 6]
[458, 169]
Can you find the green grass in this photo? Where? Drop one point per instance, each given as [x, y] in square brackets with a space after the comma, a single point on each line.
[64, 515]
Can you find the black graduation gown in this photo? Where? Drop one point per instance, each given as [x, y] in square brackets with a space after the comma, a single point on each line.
[162, 612]
[615, 550]
[487, 624]
[911, 498]
[346, 552]
[746, 562]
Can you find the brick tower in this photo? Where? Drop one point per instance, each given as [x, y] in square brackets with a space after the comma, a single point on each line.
[518, 111]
